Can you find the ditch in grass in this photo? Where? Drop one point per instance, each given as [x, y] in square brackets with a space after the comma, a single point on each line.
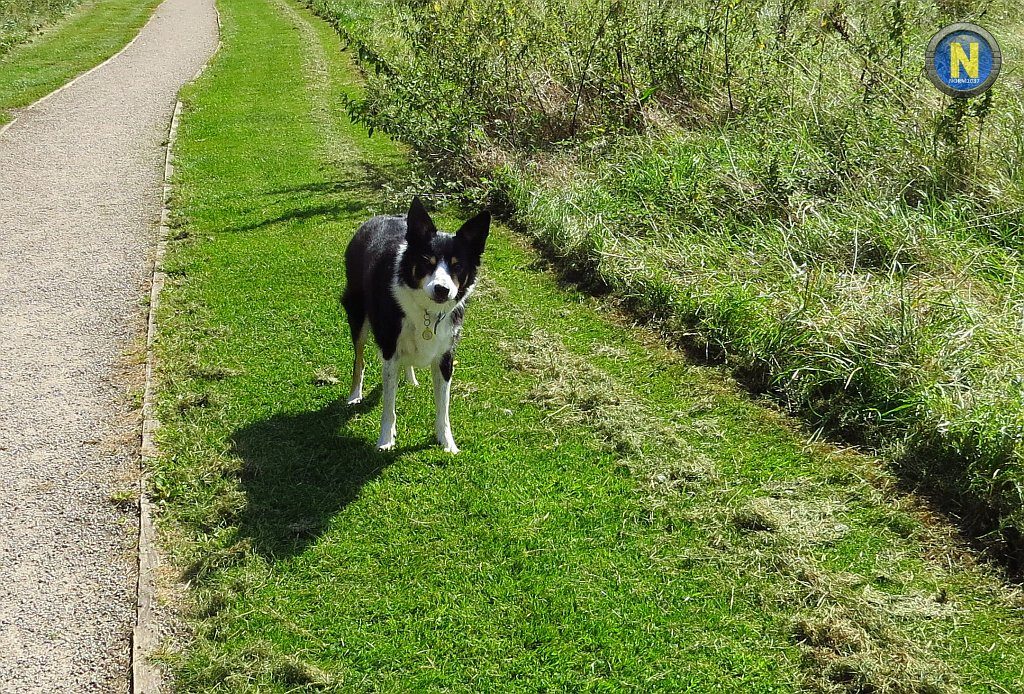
[618, 518]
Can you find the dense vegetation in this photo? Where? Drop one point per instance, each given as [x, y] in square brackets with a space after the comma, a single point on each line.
[773, 181]
[20, 18]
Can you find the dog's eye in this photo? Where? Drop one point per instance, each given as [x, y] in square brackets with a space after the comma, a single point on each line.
[429, 259]
[455, 262]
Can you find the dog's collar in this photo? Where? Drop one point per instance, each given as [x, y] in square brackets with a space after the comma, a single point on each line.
[428, 331]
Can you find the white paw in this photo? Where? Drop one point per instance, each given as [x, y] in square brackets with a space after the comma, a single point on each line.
[355, 399]
[448, 445]
[410, 376]
[385, 444]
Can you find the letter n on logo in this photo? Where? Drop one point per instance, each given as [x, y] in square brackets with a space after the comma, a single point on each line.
[957, 57]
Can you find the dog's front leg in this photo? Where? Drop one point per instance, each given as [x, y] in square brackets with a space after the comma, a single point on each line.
[387, 420]
[442, 377]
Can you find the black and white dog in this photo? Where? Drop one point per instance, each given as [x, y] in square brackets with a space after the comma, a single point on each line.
[409, 283]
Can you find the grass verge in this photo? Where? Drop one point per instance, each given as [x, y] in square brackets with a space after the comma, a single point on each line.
[48, 59]
[619, 518]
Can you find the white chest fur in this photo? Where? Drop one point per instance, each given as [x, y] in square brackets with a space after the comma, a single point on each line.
[424, 338]
[414, 349]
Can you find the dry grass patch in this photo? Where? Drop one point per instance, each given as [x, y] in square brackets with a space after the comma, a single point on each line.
[578, 394]
[857, 638]
[846, 651]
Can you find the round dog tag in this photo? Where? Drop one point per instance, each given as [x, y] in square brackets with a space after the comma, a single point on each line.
[428, 334]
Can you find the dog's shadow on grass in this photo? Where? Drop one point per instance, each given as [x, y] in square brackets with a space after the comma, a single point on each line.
[300, 470]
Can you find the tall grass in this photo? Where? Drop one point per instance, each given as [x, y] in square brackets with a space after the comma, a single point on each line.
[773, 180]
[19, 19]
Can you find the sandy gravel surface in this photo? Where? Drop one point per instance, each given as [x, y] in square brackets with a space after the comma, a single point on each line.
[80, 195]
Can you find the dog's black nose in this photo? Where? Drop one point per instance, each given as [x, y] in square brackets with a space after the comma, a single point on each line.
[440, 292]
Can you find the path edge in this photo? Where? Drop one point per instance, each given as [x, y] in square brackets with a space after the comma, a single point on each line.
[146, 677]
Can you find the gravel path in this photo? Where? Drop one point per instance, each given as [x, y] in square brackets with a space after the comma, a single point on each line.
[80, 195]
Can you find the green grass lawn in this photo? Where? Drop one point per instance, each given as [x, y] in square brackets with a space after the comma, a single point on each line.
[618, 519]
[86, 37]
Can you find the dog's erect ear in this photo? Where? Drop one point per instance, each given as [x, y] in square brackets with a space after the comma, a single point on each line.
[474, 232]
[420, 227]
